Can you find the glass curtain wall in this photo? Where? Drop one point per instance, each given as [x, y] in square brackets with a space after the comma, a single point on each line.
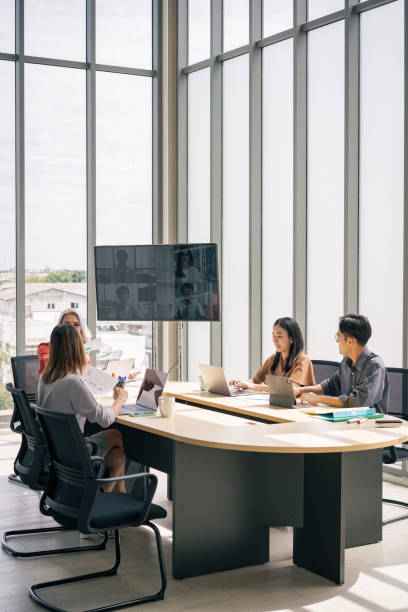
[307, 136]
[199, 218]
[325, 183]
[235, 217]
[84, 159]
[382, 177]
[277, 188]
[7, 235]
[55, 200]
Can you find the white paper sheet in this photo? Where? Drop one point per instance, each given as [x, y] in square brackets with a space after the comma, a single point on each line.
[120, 367]
[257, 397]
[93, 345]
[98, 382]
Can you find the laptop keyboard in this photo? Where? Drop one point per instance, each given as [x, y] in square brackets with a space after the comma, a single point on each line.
[134, 409]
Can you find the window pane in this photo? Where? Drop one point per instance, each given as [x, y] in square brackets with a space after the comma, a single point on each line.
[7, 232]
[124, 188]
[325, 188]
[382, 176]
[277, 16]
[277, 188]
[199, 213]
[199, 18]
[236, 23]
[55, 197]
[55, 28]
[7, 26]
[124, 33]
[318, 8]
[235, 246]
[123, 159]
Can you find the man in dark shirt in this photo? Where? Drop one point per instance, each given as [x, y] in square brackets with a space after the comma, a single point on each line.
[362, 378]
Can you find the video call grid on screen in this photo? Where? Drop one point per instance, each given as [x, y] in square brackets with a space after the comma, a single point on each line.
[163, 282]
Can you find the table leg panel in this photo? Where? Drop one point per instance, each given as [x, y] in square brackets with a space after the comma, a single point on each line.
[214, 512]
[319, 544]
[363, 480]
[280, 480]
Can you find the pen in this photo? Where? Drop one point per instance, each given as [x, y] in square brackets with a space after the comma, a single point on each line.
[357, 421]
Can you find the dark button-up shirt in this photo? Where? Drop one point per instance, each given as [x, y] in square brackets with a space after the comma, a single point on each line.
[363, 384]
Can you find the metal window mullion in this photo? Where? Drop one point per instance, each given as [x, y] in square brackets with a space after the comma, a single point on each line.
[216, 164]
[49, 61]
[157, 209]
[20, 179]
[182, 159]
[182, 137]
[124, 69]
[8, 57]
[255, 187]
[91, 163]
[275, 38]
[323, 21]
[197, 66]
[405, 247]
[361, 7]
[300, 166]
[351, 158]
[228, 55]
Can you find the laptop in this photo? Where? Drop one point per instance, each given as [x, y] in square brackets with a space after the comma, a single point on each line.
[215, 382]
[147, 401]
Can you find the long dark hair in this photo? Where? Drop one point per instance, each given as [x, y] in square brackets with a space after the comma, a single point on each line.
[67, 353]
[294, 333]
[179, 267]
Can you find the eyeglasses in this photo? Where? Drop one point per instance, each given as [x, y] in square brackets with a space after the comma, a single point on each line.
[337, 337]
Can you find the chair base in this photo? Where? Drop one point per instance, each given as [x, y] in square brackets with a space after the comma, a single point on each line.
[401, 517]
[43, 553]
[110, 572]
[16, 479]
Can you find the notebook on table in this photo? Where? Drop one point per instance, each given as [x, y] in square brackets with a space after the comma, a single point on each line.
[343, 414]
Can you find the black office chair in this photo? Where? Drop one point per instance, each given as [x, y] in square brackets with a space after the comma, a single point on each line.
[74, 499]
[32, 467]
[397, 406]
[26, 374]
[25, 370]
[323, 369]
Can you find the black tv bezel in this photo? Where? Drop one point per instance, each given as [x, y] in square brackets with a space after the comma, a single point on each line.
[181, 245]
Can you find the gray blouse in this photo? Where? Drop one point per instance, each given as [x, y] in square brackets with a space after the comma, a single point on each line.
[70, 394]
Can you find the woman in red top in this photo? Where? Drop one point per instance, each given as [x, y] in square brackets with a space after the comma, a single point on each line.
[67, 317]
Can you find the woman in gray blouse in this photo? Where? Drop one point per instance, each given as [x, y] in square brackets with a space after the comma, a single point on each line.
[61, 388]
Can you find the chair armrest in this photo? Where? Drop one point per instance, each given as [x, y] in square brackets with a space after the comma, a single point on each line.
[97, 462]
[150, 489]
[15, 422]
[127, 477]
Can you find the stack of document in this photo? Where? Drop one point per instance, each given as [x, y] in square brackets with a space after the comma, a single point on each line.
[343, 414]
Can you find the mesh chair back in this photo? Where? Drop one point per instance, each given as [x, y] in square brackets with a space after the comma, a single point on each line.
[30, 459]
[398, 395]
[25, 374]
[324, 369]
[72, 470]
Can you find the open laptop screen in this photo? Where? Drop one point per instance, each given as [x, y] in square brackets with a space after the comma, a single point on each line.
[151, 389]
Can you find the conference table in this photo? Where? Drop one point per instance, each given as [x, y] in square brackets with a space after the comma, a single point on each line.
[239, 466]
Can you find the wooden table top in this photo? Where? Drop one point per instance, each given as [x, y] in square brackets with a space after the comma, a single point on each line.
[197, 426]
[240, 405]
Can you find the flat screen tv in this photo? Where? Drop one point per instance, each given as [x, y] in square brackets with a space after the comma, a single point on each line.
[157, 282]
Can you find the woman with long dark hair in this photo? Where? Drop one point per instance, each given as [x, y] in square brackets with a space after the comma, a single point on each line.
[288, 361]
[61, 388]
